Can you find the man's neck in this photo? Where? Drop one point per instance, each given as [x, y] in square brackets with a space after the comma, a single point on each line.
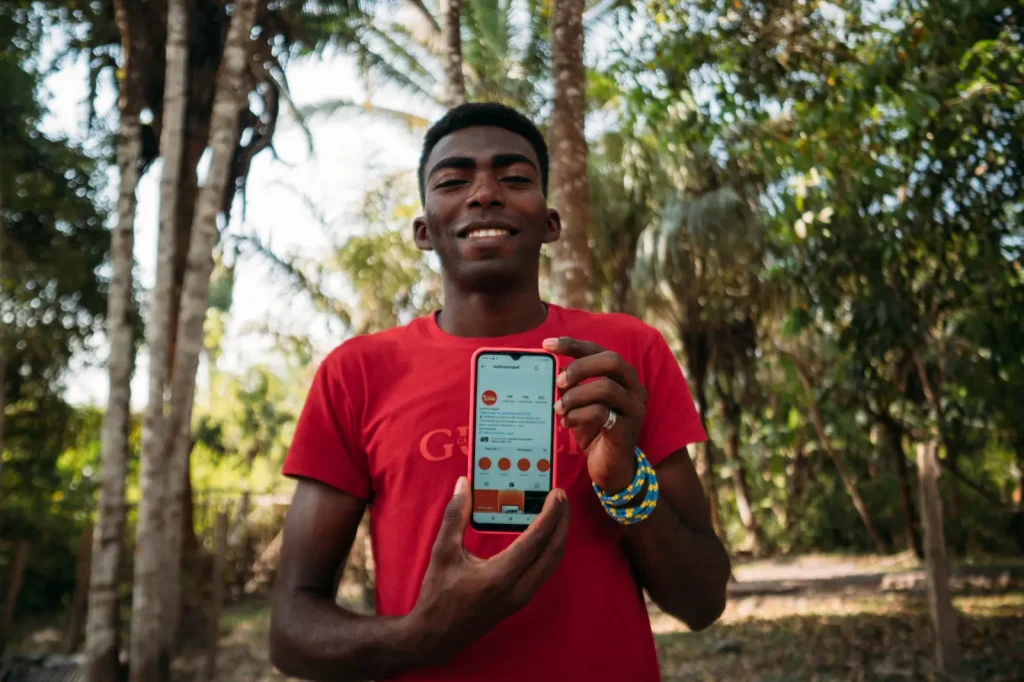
[480, 315]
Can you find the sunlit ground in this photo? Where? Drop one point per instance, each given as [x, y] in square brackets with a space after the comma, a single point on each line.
[809, 618]
[767, 639]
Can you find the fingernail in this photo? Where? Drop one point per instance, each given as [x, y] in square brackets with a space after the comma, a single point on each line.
[560, 495]
[550, 343]
[458, 486]
[558, 406]
[562, 380]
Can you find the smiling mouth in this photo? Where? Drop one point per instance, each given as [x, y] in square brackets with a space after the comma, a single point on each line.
[486, 231]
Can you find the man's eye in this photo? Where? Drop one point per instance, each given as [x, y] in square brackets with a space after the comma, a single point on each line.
[454, 182]
[518, 179]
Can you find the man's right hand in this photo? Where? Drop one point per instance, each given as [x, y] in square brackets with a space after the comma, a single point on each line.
[464, 596]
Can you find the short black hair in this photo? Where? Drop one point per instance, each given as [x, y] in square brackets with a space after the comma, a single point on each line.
[473, 114]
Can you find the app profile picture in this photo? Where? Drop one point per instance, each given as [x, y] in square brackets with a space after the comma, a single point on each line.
[489, 397]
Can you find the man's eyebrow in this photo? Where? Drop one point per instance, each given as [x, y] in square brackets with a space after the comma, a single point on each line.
[462, 162]
[497, 161]
[506, 160]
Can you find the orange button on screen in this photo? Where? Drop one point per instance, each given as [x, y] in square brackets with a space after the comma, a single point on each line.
[524, 464]
[484, 463]
[543, 465]
[504, 464]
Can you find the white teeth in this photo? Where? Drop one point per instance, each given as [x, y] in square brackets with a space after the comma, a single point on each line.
[489, 232]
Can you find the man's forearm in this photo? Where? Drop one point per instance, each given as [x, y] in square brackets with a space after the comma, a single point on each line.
[684, 571]
[314, 639]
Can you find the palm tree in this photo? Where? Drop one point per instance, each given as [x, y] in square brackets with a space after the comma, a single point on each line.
[496, 65]
[701, 267]
[570, 189]
[629, 186]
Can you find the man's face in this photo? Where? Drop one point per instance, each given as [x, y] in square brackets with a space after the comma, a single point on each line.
[486, 215]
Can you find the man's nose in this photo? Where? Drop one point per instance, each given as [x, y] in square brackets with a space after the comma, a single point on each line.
[486, 192]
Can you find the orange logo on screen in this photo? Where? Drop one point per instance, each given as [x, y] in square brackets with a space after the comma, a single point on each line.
[489, 397]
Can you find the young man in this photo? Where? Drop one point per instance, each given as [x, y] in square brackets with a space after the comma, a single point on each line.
[385, 425]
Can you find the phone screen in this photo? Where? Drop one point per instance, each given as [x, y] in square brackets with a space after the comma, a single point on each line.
[513, 434]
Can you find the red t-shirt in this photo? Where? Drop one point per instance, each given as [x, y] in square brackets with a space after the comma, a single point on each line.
[386, 420]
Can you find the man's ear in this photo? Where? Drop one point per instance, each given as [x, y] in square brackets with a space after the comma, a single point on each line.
[420, 234]
[554, 227]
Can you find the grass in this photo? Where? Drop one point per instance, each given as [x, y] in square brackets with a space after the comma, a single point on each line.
[868, 638]
[770, 639]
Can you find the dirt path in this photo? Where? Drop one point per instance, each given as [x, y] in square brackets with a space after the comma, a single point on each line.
[803, 618]
[831, 574]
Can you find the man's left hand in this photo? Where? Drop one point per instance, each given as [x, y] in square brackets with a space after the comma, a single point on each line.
[597, 382]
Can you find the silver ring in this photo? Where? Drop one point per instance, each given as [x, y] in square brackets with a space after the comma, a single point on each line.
[610, 422]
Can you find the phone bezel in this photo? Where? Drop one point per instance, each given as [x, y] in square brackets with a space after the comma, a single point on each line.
[514, 353]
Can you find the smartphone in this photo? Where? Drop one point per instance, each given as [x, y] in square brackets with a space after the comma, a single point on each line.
[512, 418]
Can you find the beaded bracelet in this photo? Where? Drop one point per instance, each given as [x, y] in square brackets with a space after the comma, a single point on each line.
[625, 496]
[630, 515]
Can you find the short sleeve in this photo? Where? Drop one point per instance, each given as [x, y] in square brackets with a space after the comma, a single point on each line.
[672, 421]
[327, 443]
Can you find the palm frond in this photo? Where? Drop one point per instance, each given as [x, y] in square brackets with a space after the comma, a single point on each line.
[381, 54]
[314, 25]
[491, 25]
[330, 107]
[487, 44]
[400, 44]
[295, 272]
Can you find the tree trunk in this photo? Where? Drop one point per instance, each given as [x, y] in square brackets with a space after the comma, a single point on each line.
[623, 297]
[172, 144]
[3, 401]
[174, 505]
[1018, 490]
[940, 605]
[102, 634]
[188, 189]
[220, 551]
[698, 359]
[894, 434]
[734, 416]
[189, 542]
[15, 581]
[3, 347]
[795, 483]
[837, 460]
[73, 635]
[455, 82]
[229, 97]
[706, 460]
[154, 621]
[570, 190]
[932, 394]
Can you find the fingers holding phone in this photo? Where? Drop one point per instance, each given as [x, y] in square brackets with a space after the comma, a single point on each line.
[464, 596]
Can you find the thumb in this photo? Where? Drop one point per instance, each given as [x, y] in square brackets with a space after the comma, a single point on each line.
[455, 519]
